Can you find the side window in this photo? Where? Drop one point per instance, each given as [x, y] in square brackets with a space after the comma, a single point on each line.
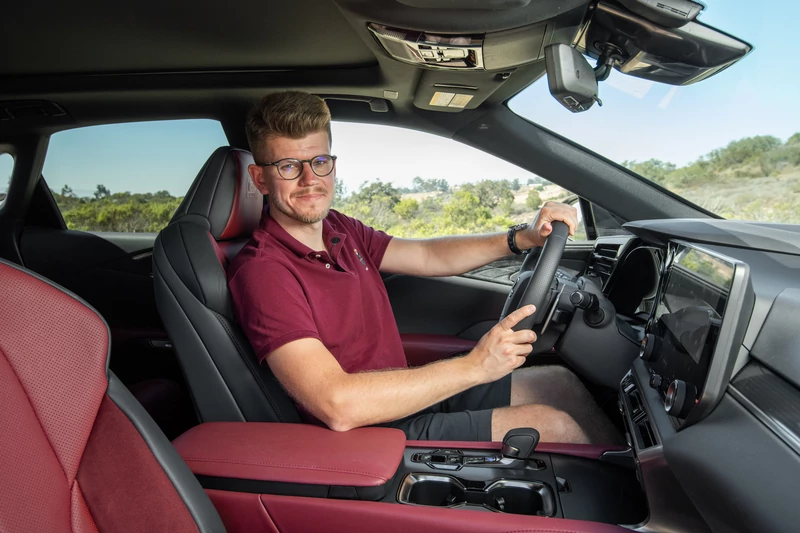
[6, 166]
[127, 177]
[413, 184]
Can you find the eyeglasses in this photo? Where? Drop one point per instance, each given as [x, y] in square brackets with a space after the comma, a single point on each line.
[290, 169]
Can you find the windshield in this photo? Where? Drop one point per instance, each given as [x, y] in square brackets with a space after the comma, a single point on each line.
[730, 143]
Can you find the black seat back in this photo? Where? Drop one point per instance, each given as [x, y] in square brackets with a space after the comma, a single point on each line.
[215, 220]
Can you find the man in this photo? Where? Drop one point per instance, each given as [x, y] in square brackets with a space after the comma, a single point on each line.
[309, 295]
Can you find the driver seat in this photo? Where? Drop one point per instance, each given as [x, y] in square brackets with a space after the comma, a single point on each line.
[215, 220]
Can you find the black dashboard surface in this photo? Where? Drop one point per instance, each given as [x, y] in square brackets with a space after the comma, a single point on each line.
[747, 449]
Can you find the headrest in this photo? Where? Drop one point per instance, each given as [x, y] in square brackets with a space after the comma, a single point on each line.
[223, 198]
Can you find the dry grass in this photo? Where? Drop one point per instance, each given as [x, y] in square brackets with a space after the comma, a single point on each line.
[765, 199]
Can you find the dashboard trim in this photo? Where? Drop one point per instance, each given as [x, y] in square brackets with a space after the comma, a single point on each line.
[789, 438]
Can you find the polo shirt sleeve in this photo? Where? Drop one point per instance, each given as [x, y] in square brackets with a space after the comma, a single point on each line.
[375, 241]
[271, 306]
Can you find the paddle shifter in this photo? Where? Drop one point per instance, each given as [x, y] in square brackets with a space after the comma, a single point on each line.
[519, 443]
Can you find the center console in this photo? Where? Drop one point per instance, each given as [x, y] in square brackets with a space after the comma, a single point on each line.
[249, 467]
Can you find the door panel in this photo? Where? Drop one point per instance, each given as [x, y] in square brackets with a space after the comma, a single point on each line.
[465, 306]
[448, 306]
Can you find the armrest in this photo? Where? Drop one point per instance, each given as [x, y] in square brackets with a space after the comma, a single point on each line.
[293, 453]
[421, 349]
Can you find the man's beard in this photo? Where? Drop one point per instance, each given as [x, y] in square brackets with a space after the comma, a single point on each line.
[276, 203]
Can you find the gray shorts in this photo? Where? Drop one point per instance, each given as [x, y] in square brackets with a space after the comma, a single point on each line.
[466, 416]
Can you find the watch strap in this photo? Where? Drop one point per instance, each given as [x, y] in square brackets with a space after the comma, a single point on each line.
[512, 238]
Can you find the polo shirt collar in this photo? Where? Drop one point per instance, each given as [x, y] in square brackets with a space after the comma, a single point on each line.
[334, 240]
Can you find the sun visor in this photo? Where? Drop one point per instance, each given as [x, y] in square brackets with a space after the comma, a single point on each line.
[642, 48]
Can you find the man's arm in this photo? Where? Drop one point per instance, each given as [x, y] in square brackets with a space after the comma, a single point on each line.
[451, 256]
[343, 401]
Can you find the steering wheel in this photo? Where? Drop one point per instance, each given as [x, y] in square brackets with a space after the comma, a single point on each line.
[533, 285]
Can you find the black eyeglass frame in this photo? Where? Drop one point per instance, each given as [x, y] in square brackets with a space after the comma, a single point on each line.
[301, 161]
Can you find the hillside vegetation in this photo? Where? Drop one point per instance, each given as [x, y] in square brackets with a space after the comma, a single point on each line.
[756, 178]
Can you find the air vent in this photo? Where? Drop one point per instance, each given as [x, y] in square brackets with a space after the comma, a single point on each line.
[602, 262]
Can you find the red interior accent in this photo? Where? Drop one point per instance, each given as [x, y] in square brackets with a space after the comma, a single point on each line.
[295, 453]
[293, 514]
[70, 460]
[34, 494]
[57, 348]
[422, 349]
[221, 256]
[247, 201]
[124, 486]
[241, 512]
[589, 451]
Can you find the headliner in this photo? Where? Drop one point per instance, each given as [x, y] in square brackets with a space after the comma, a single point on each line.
[103, 61]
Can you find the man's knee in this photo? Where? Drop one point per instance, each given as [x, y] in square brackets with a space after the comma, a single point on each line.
[552, 424]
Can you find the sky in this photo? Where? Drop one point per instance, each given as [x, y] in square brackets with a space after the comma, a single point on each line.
[639, 120]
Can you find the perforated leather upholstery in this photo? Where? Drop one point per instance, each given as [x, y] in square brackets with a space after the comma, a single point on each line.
[73, 436]
[217, 217]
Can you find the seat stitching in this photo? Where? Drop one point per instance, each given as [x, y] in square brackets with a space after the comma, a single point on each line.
[249, 364]
[194, 329]
[283, 465]
[35, 413]
[216, 188]
[194, 271]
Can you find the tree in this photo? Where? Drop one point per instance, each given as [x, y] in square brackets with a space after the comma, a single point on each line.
[652, 169]
[491, 193]
[793, 140]
[377, 189]
[515, 185]
[406, 208]
[430, 185]
[742, 151]
[465, 210]
[66, 191]
[101, 192]
[533, 201]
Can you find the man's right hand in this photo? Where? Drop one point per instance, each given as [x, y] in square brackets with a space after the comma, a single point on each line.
[502, 349]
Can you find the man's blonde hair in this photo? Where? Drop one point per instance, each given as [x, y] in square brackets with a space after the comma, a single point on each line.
[293, 114]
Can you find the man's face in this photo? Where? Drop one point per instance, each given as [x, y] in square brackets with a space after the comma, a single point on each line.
[306, 199]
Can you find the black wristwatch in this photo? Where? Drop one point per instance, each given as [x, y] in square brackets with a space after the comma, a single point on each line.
[512, 237]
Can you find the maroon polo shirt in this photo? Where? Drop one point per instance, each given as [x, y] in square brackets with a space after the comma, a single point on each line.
[283, 290]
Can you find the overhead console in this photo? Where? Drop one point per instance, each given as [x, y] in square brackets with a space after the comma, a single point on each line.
[491, 51]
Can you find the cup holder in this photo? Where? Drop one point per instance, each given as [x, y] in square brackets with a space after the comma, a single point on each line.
[499, 495]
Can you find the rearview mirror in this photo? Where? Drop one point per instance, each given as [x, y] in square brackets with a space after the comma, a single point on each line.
[570, 77]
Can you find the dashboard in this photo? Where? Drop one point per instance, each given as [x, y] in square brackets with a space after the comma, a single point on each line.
[712, 403]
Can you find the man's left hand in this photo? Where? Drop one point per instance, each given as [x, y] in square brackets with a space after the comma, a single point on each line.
[536, 234]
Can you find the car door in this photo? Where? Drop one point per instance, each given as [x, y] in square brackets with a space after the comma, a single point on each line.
[427, 186]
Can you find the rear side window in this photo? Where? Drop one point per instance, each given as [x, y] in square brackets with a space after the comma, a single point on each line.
[127, 177]
[6, 166]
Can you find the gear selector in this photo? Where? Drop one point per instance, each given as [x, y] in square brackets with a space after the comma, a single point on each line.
[519, 443]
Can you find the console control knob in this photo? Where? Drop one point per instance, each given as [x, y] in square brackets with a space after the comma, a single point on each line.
[650, 347]
[656, 381]
[679, 399]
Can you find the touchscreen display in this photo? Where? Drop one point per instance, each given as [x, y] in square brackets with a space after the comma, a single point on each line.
[693, 301]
